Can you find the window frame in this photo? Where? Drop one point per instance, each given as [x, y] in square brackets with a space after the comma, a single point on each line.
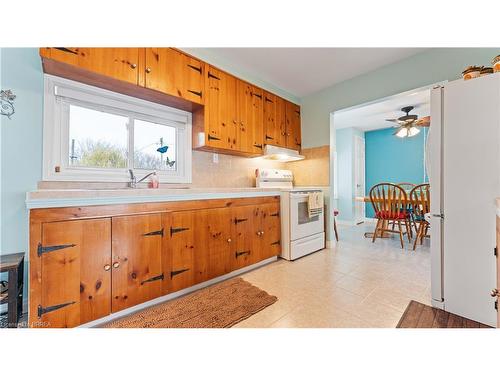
[60, 93]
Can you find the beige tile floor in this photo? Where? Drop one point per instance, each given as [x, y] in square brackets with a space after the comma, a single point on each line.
[354, 284]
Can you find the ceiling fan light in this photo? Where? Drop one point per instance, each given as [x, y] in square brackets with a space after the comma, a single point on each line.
[413, 131]
[402, 132]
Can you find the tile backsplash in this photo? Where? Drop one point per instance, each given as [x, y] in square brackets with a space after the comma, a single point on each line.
[231, 171]
[314, 170]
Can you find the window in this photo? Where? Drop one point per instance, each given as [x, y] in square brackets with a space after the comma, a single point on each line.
[91, 134]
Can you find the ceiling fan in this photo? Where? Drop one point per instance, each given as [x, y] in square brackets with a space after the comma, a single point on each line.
[408, 125]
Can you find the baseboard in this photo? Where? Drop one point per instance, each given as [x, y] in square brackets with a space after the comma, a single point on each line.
[171, 296]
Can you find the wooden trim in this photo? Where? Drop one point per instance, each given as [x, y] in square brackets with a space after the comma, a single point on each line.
[108, 83]
[35, 272]
[45, 215]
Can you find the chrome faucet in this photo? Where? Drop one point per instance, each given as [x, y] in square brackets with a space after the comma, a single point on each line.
[133, 180]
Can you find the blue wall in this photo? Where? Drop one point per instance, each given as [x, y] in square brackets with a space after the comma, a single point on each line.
[20, 145]
[392, 159]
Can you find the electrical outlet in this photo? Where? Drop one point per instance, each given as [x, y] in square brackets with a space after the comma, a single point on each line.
[216, 158]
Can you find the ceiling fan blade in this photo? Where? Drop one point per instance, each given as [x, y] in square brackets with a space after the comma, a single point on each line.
[424, 121]
[393, 120]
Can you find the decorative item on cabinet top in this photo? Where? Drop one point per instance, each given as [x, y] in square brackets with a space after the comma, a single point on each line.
[230, 115]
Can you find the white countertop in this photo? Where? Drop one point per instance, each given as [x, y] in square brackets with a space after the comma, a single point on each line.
[46, 198]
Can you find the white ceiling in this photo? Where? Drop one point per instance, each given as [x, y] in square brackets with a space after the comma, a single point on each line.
[372, 116]
[302, 71]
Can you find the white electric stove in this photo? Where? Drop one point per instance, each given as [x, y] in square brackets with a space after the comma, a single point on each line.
[300, 234]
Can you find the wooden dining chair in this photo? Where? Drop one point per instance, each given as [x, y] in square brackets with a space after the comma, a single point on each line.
[390, 203]
[420, 198]
[408, 186]
[335, 214]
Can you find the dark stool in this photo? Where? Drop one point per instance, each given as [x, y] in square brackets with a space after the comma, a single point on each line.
[14, 265]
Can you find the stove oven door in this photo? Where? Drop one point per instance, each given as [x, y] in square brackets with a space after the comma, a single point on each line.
[301, 225]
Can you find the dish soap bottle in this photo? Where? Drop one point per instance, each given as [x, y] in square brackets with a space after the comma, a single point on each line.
[154, 181]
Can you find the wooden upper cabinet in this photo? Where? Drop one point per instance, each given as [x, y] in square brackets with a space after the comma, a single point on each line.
[121, 63]
[293, 133]
[75, 259]
[250, 118]
[274, 120]
[137, 267]
[175, 73]
[220, 110]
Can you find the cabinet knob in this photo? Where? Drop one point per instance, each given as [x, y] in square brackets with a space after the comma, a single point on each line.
[133, 66]
[494, 293]
[107, 267]
[261, 232]
[116, 264]
[148, 70]
[229, 240]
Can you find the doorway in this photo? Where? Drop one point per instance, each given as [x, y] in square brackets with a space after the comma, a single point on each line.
[359, 179]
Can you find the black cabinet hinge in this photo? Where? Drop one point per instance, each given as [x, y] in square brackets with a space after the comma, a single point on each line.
[212, 138]
[198, 69]
[174, 273]
[210, 75]
[275, 214]
[155, 233]
[45, 310]
[236, 220]
[276, 243]
[257, 95]
[198, 93]
[495, 251]
[47, 249]
[269, 100]
[240, 253]
[177, 230]
[496, 305]
[268, 137]
[64, 49]
[154, 278]
[258, 146]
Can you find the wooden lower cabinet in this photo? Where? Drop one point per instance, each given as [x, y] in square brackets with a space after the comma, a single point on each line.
[137, 250]
[271, 230]
[179, 250]
[84, 268]
[74, 259]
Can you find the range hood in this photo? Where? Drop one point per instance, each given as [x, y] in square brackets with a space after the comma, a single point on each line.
[281, 154]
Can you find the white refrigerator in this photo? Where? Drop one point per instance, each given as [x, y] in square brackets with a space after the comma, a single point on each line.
[463, 164]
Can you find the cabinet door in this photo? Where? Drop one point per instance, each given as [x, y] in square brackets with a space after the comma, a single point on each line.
[220, 109]
[270, 230]
[174, 73]
[245, 237]
[119, 63]
[181, 248]
[250, 115]
[274, 120]
[293, 139]
[75, 272]
[136, 251]
[218, 238]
